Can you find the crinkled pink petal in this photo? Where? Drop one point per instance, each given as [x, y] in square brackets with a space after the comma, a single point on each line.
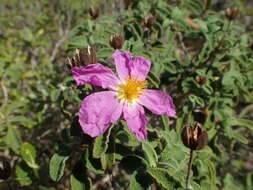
[125, 66]
[158, 102]
[95, 74]
[136, 120]
[140, 67]
[98, 111]
[122, 62]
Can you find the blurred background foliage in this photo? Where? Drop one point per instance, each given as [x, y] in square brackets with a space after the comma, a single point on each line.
[201, 56]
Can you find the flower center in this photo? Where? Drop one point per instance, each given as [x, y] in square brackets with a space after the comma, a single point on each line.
[131, 89]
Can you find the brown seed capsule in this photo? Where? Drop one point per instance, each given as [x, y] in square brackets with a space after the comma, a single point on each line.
[149, 21]
[251, 44]
[194, 138]
[116, 41]
[218, 122]
[201, 79]
[94, 12]
[232, 13]
[5, 170]
[83, 57]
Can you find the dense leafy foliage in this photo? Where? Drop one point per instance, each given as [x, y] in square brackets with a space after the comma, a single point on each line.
[200, 56]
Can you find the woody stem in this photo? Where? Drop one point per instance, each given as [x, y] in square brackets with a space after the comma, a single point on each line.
[189, 170]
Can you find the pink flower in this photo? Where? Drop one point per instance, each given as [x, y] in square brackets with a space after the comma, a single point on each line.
[127, 94]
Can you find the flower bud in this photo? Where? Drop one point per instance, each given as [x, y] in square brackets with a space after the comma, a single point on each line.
[200, 114]
[232, 13]
[5, 170]
[83, 57]
[94, 12]
[201, 80]
[194, 138]
[116, 41]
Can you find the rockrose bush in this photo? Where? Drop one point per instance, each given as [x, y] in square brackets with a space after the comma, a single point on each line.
[126, 94]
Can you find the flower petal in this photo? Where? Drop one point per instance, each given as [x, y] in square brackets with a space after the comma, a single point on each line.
[95, 74]
[158, 102]
[140, 67]
[125, 66]
[98, 111]
[136, 120]
[122, 61]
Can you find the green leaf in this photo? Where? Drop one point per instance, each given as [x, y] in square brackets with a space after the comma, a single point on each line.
[107, 160]
[196, 100]
[153, 79]
[57, 165]
[105, 52]
[99, 147]
[22, 176]
[133, 163]
[79, 179]
[134, 184]
[78, 42]
[12, 138]
[165, 121]
[126, 137]
[162, 177]
[244, 123]
[229, 79]
[24, 121]
[28, 153]
[235, 135]
[150, 154]
[101, 144]
[212, 173]
[196, 186]
[54, 94]
[230, 183]
[249, 181]
[76, 184]
[90, 164]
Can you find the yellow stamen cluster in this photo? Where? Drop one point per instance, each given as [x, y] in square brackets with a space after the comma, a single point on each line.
[131, 89]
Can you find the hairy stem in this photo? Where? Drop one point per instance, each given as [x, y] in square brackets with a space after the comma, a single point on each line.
[189, 170]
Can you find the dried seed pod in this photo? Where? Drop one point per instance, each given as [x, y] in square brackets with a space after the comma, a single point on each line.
[116, 41]
[194, 138]
[83, 57]
[232, 13]
[201, 79]
[149, 21]
[94, 12]
[251, 44]
[5, 170]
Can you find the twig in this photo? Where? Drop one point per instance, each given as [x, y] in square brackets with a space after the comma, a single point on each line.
[56, 47]
[5, 93]
[5, 156]
[64, 34]
[181, 42]
[9, 185]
